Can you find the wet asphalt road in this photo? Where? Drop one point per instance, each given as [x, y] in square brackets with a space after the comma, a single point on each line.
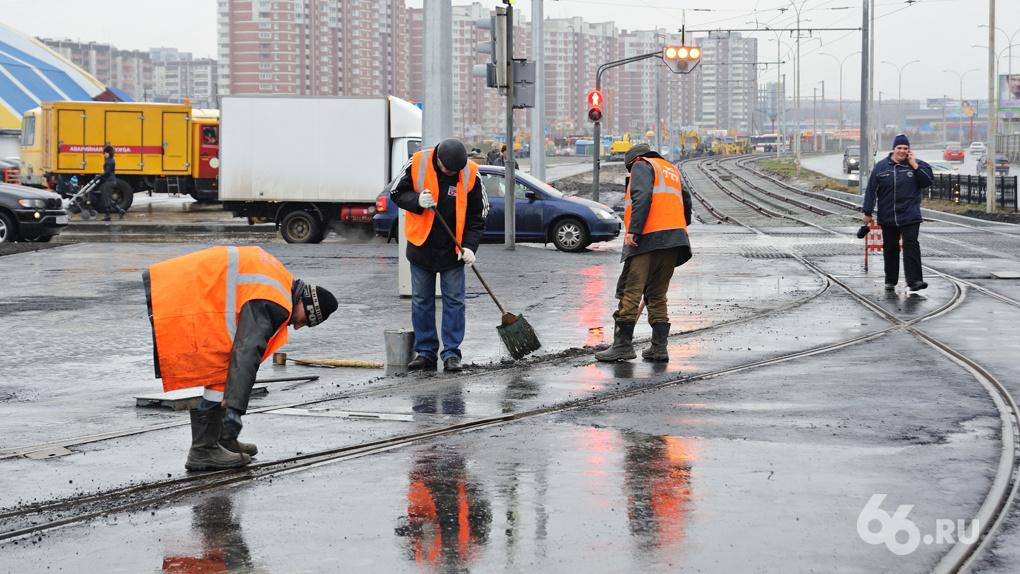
[758, 469]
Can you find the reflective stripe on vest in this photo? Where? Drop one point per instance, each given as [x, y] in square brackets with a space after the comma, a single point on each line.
[667, 209]
[424, 176]
[195, 303]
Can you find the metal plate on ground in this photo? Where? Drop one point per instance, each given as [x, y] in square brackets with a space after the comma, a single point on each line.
[1004, 275]
[342, 414]
[50, 452]
[184, 399]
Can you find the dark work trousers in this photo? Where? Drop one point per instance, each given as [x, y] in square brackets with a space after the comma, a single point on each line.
[646, 275]
[911, 253]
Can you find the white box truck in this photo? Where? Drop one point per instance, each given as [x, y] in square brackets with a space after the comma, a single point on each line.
[310, 164]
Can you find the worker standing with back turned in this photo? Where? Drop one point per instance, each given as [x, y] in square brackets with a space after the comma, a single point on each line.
[216, 314]
[655, 218]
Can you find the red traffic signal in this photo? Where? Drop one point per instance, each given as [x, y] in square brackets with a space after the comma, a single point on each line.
[681, 59]
[595, 102]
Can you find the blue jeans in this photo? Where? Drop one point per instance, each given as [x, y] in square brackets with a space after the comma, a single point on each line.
[423, 311]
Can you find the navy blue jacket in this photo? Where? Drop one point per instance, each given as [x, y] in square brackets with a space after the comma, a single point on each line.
[897, 189]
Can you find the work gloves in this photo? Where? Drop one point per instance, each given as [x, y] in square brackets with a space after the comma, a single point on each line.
[231, 423]
[467, 256]
[425, 200]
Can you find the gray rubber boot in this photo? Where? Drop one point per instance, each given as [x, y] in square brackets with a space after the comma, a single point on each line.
[206, 452]
[622, 349]
[658, 350]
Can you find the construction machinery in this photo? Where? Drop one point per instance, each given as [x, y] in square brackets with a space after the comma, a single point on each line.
[618, 149]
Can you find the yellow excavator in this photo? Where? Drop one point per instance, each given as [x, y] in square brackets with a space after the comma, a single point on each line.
[619, 148]
[690, 142]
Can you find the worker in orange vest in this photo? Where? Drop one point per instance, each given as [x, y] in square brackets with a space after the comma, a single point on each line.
[656, 216]
[440, 182]
[216, 314]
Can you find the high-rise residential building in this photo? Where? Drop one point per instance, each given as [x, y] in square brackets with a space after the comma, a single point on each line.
[375, 48]
[128, 70]
[180, 81]
[727, 82]
[312, 47]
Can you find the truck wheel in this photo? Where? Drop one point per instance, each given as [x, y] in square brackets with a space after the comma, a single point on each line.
[570, 235]
[119, 192]
[7, 232]
[301, 227]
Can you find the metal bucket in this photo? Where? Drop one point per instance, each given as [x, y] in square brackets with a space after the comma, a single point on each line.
[399, 347]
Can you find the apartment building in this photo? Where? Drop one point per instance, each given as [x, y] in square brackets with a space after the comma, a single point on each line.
[726, 82]
[312, 47]
[127, 70]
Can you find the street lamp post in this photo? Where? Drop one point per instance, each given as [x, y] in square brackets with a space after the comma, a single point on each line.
[840, 93]
[796, 107]
[780, 95]
[899, 96]
[961, 76]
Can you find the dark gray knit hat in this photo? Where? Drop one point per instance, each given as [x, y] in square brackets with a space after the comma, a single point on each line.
[319, 304]
[452, 153]
[635, 152]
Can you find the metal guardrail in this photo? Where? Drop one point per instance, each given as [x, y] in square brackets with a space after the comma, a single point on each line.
[972, 190]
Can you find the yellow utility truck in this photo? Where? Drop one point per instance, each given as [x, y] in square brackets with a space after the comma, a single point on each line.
[169, 148]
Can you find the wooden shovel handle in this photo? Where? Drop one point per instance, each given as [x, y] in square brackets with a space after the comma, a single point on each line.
[446, 226]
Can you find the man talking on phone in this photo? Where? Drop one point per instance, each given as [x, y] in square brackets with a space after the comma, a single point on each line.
[896, 184]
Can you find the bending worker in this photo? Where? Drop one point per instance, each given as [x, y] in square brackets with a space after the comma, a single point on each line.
[216, 314]
[655, 218]
[440, 182]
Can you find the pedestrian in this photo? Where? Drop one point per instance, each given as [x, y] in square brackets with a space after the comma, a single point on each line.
[656, 216]
[103, 198]
[896, 184]
[493, 154]
[501, 160]
[188, 299]
[477, 157]
[441, 182]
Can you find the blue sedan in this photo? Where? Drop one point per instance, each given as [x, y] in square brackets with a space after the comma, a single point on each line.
[543, 214]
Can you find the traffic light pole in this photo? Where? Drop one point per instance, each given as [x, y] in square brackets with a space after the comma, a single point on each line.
[509, 195]
[598, 125]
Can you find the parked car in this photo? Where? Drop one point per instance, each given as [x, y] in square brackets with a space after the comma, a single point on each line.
[977, 147]
[943, 167]
[852, 158]
[1001, 164]
[953, 153]
[30, 214]
[543, 214]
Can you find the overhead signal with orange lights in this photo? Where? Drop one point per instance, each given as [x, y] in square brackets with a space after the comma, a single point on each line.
[681, 59]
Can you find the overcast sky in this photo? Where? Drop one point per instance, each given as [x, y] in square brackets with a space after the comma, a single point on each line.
[939, 33]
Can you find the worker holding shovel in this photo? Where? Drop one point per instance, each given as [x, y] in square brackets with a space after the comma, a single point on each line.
[440, 183]
[655, 218]
[216, 314]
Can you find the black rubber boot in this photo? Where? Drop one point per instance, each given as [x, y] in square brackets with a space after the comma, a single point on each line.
[660, 336]
[206, 452]
[622, 349]
[234, 445]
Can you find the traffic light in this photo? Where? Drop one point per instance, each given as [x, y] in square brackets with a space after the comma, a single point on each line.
[681, 59]
[595, 102]
[495, 71]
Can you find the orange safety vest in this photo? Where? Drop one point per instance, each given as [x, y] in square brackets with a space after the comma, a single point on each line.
[424, 176]
[195, 302]
[667, 211]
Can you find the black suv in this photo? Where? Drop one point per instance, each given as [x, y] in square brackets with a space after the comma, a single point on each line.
[1001, 164]
[30, 214]
[852, 159]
